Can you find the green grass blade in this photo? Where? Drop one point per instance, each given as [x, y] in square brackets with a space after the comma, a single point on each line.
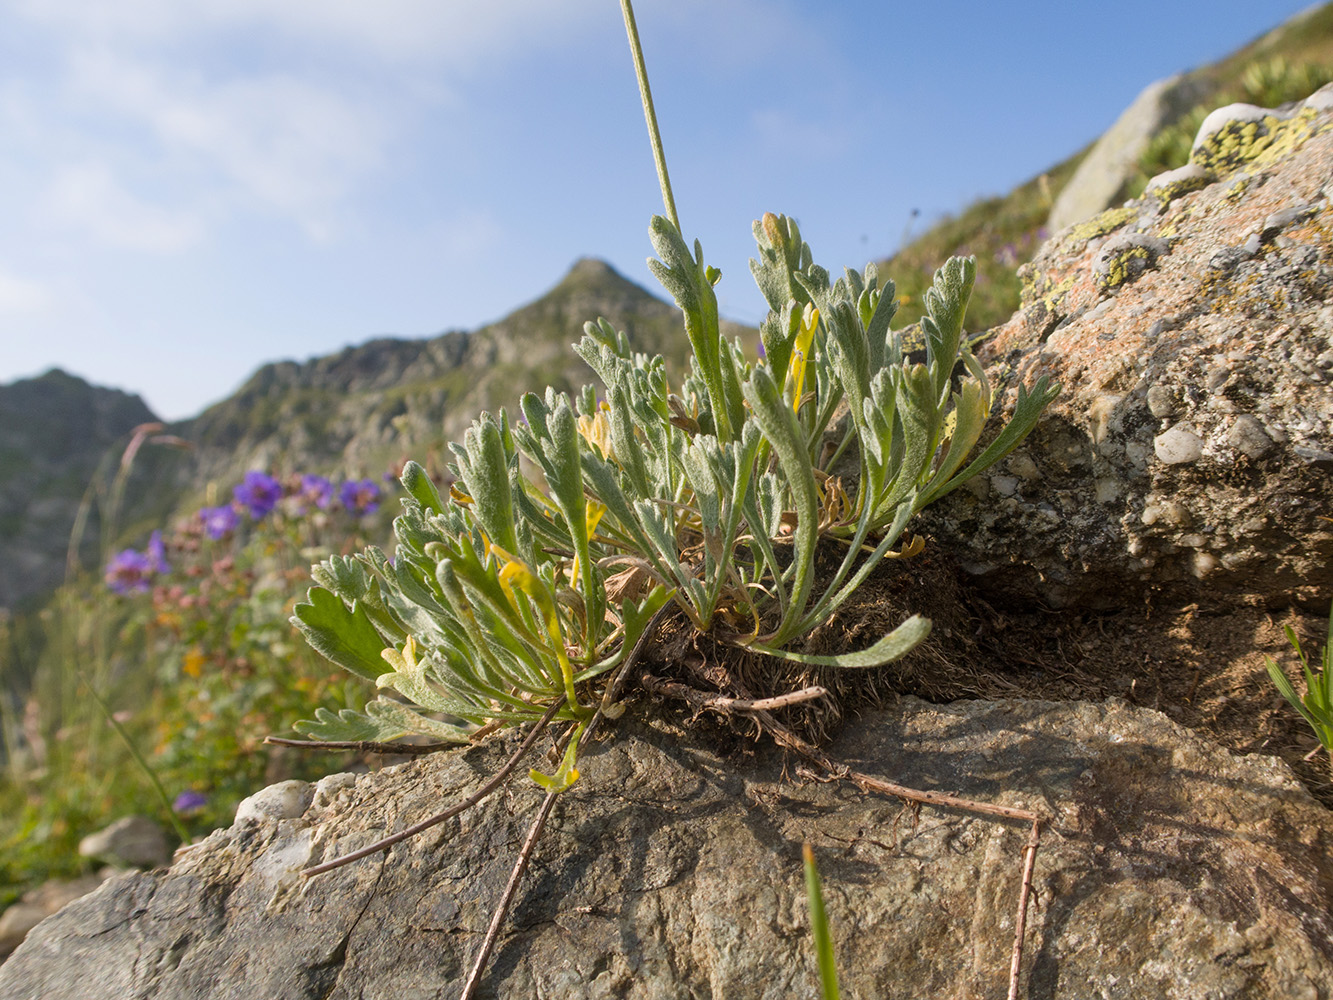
[828, 970]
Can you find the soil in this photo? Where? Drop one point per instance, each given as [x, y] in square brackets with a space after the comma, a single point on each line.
[1203, 666]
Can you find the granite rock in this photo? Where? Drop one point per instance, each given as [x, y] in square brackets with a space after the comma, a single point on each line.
[1193, 339]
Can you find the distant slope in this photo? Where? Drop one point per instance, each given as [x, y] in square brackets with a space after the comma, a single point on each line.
[1005, 231]
[369, 407]
[54, 431]
[358, 412]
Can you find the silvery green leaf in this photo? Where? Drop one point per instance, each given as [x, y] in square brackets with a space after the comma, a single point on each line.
[395, 714]
[1027, 411]
[344, 575]
[882, 303]
[419, 486]
[946, 303]
[702, 477]
[782, 254]
[340, 634]
[784, 435]
[969, 417]
[484, 472]
[349, 726]
[893, 646]
[687, 279]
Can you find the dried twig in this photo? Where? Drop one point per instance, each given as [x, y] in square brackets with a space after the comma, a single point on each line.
[362, 746]
[1020, 924]
[872, 784]
[502, 910]
[702, 699]
[452, 811]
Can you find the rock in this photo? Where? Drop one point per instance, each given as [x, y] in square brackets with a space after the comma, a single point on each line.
[38, 904]
[131, 840]
[1193, 339]
[1168, 868]
[285, 800]
[1099, 182]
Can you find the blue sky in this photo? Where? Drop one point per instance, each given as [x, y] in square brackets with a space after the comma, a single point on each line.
[191, 188]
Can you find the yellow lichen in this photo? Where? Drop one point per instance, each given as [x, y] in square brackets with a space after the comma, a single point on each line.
[1109, 221]
[1167, 193]
[1057, 293]
[1258, 143]
[1119, 267]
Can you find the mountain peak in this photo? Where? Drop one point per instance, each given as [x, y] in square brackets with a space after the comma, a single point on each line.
[595, 274]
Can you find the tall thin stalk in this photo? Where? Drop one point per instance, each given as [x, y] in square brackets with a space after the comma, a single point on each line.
[649, 112]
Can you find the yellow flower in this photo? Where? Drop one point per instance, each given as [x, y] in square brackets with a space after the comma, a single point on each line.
[596, 430]
[804, 336]
[515, 573]
[193, 664]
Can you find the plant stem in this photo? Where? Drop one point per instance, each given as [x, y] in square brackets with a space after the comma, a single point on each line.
[649, 113]
[147, 769]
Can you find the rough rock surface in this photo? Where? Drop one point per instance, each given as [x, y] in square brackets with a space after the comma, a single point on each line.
[1100, 179]
[1192, 330]
[38, 904]
[1169, 868]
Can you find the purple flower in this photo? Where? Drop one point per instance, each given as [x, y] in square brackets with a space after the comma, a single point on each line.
[259, 493]
[360, 496]
[219, 522]
[129, 572]
[188, 802]
[316, 490]
[157, 553]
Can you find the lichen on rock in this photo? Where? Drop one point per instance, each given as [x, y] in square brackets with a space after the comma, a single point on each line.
[1211, 312]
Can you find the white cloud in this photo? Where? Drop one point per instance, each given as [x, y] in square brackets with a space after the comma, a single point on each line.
[464, 32]
[22, 295]
[285, 142]
[89, 197]
[209, 108]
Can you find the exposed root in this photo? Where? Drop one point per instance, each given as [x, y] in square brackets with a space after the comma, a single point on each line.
[702, 699]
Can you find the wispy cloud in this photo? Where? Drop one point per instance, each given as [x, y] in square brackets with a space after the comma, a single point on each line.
[20, 295]
[464, 34]
[152, 126]
[287, 144]
[89, 198]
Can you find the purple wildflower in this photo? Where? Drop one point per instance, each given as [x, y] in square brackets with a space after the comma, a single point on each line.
[129, 572]
[360, 496]
[189, 802]
[157, 553]
[316, 490]
[219, 522]
[259, 492]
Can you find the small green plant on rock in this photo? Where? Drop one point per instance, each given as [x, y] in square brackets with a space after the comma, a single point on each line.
[512, 600]
[1317, 705]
